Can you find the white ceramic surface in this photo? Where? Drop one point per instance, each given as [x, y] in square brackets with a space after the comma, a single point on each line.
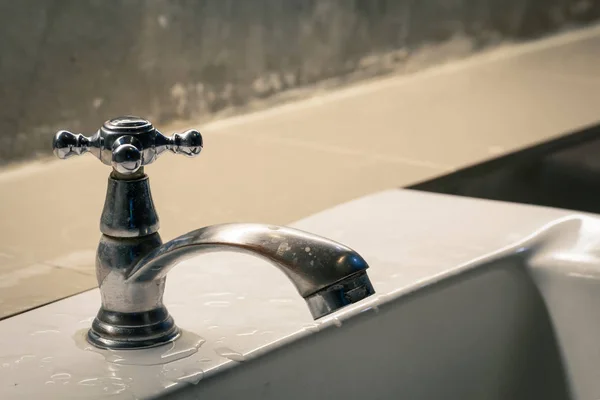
[242, 307]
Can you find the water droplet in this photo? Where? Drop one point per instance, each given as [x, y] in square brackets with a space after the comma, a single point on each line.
[45, 362]
[192, 377]
[44, 332]
[337, 322]
[228, 353]
[103, 386]
[173, 375]
[280, 300]
[217, 294]
[205, 360]
[312, 328]
[307, 249]
[24, 358]
[60, 377]
[249, 333]
[183, 348]
[217, 303]
[382, 299]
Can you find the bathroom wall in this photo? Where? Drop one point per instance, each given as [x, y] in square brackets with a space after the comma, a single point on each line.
[74, 63]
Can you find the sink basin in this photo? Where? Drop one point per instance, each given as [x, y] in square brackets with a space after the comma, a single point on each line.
[476, 299]
[483, 335]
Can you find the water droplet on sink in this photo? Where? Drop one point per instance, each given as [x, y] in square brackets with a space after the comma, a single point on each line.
[375, 309]
[24, 358]
[337, 322]
[188, 374]
[103, 386]
[46, 362]
[88, 320]
[249, 333]
[60, 377]
[193, 377]
[283, 301]
[312, 328]
[231, 354]
[88, 382]
[186, 345]
[44, 332]
[218, 303]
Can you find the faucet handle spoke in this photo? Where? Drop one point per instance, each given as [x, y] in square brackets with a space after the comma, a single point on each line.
[188, 143]
[127, 143]
[67, 144]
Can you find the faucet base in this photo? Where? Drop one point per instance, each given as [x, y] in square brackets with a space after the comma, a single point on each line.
[118, 330]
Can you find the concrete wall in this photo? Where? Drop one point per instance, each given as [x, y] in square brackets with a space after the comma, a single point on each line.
[74, 63]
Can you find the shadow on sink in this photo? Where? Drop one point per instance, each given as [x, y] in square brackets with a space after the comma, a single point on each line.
[484, 334]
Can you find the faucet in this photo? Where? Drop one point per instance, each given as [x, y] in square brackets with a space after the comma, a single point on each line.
[132, 262]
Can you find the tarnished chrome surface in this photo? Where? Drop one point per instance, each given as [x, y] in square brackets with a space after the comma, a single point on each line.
[327, 274]
[132, 262]
[128, 207]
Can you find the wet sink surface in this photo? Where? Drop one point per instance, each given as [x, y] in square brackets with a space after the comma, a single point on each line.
[458, 314]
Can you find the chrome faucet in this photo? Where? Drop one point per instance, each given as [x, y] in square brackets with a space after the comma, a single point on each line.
[132, 262]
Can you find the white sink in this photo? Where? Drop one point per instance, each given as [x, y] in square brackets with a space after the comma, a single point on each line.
[475, 299]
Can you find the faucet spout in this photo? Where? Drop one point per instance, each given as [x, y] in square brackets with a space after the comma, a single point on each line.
[311, 262]
[327, 274]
